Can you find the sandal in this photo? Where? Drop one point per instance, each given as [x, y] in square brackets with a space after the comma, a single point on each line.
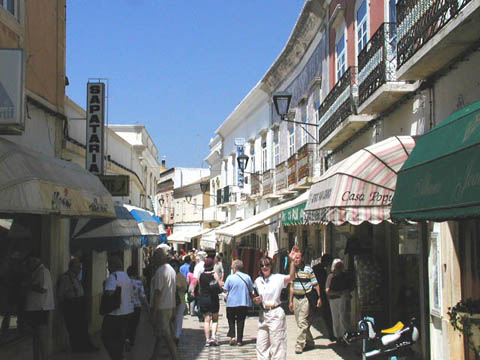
[232, 342]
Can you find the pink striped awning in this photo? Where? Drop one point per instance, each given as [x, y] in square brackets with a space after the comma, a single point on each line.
[361, 187]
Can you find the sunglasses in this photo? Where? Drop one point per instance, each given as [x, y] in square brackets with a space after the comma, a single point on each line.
[265, 265]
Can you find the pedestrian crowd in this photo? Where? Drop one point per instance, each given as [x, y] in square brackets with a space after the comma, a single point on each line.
[175, 284]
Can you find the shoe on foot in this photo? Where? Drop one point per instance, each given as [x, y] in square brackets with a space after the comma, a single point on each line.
[298, 350]
[214, 341]
[239, 343]
[232, 342]
[208, 343]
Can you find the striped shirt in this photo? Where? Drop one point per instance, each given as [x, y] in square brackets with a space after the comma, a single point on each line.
[304, 281]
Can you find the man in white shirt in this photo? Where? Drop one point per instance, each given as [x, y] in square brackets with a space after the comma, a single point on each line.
[162, 301]
[115, 324]
[38, 304]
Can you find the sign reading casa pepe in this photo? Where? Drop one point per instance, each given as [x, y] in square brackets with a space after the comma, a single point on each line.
[95, 127]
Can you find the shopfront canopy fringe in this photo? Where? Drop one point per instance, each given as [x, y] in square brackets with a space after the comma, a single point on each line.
[361, 187]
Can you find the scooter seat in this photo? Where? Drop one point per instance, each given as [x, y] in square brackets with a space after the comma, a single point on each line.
[397, 327]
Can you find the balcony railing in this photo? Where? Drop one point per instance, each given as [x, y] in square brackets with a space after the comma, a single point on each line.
[305, 163]
[255, 184]
[419, 20]
[281, 176]
[267, 182]
[339, 104]
[377, 62]
[292, 170]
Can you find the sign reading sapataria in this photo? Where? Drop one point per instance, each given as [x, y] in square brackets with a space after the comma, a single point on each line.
[95, 126]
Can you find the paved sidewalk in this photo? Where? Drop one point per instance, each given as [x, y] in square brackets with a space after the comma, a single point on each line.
[192, 343]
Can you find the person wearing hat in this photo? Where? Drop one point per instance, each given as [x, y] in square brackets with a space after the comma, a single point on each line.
[208, 301]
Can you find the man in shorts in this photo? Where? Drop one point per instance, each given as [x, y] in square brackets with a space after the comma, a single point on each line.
[162, 300]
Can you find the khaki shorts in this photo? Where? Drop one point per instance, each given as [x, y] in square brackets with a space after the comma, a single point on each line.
[163, 322]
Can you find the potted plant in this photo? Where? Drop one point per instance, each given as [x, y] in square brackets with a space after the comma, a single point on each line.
[465, 317]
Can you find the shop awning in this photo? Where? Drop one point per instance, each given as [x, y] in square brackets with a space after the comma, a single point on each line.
[150, 226]
[180, 237]
[294, 215]
[119, 233]
[33, 183]
[441, 178]
[258, 220]
[361, 187]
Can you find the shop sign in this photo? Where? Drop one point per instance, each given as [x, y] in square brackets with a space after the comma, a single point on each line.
[294, 215]
[240, 142]
[95, 126]
[117, 185]
[12, 88]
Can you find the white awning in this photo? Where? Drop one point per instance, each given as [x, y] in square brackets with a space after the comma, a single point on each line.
[180, 237]
[34, 183]
[258, 220]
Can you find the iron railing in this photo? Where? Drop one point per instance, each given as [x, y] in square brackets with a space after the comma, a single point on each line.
[339, 104]
[255, 184]
[377, 62]
[267, 181]
[281, 176]
[292, 170]
[419, 20]
[305, 162]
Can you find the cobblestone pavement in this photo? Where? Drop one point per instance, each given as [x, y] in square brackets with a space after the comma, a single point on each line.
[192, 343]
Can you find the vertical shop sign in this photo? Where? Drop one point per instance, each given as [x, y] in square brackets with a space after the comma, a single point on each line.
[240, 142]
[95, 127]
[12, 86]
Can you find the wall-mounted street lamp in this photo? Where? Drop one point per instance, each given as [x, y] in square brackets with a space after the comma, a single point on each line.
[282, 103]
[204, 186]
[242, 161]
[282, 100]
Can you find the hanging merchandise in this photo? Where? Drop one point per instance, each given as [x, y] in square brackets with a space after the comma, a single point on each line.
[369, 281]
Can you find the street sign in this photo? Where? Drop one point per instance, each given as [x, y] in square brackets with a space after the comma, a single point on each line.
[117, 185]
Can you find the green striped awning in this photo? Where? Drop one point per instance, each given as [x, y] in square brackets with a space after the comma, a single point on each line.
[441, 178]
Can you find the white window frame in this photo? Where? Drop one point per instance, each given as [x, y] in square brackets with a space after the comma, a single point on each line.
[341, 58]
[3, 5]
[291, 141]
[362, 26]
[304, 130]
[276, 148]
[264, 156]
[252, 157]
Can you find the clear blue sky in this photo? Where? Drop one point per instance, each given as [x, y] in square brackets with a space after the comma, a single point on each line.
[177, 67]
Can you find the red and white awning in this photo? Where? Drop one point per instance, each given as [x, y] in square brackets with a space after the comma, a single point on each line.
[361, 187]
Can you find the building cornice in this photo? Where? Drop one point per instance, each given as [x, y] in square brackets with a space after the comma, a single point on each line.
[305, 30]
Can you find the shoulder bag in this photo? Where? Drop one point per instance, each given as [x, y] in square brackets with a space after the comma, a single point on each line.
[312, 297]
[112, 302]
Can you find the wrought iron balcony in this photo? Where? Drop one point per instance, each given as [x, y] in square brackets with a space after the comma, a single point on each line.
[255, 184]
[292, 170]
[377, 62]
[281, 176]
[420, 20]
[267, 182]
[305, 159]
[339, 104]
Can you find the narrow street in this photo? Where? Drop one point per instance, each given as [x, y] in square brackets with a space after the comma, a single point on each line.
[192, 343]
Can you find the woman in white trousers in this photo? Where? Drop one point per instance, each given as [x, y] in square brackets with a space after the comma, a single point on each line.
[272, 326]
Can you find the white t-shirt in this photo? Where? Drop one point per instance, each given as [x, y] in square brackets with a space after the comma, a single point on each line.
[164, 281]
[270, 288]
[126, 306]
[36, 301]
[199, 269]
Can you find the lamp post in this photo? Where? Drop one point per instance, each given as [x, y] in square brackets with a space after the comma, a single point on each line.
[203, 189]
[281, 101]
[242, 161]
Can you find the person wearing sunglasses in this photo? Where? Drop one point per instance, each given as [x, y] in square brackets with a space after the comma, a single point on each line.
[272, 325]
